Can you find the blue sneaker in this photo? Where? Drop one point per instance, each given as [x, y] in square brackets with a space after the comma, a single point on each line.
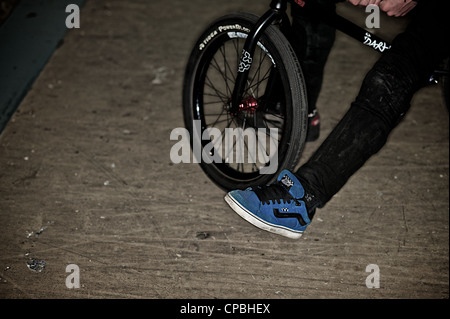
[277, 208]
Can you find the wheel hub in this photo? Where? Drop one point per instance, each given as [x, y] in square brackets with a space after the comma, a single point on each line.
[248, 105]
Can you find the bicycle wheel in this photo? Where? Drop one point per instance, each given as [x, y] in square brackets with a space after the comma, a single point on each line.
[268, 132]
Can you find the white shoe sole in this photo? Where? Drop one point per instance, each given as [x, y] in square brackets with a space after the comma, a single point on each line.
[260, 223]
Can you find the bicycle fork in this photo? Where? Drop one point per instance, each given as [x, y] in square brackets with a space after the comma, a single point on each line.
[278, 8]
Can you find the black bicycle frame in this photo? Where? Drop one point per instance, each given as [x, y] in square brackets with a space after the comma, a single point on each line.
[277, 12]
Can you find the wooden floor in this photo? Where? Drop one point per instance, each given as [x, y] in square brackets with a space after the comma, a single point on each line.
[86, 179]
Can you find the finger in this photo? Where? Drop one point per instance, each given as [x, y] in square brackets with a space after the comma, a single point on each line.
[406, 9]
[354, 2]
[385, 6]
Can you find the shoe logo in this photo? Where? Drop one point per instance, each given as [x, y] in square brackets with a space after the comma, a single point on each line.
[279, 214]
[287, 181]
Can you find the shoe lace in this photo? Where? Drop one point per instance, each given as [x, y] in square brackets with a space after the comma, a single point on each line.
[274, 193]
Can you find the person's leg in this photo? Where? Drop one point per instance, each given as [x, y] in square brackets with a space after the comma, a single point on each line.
[383, 100]
[312, 41]
[287, 206]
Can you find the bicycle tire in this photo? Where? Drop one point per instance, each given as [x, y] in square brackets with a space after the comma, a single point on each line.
[285, 110]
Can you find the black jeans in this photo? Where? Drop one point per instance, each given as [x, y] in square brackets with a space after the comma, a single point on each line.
[383, 100]
[312, 41]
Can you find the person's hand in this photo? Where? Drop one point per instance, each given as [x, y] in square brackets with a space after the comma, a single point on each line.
[397, 8]
[364, 3]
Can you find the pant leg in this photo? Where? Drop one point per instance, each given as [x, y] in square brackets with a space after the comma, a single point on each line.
[383, 100]
[312, 41]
